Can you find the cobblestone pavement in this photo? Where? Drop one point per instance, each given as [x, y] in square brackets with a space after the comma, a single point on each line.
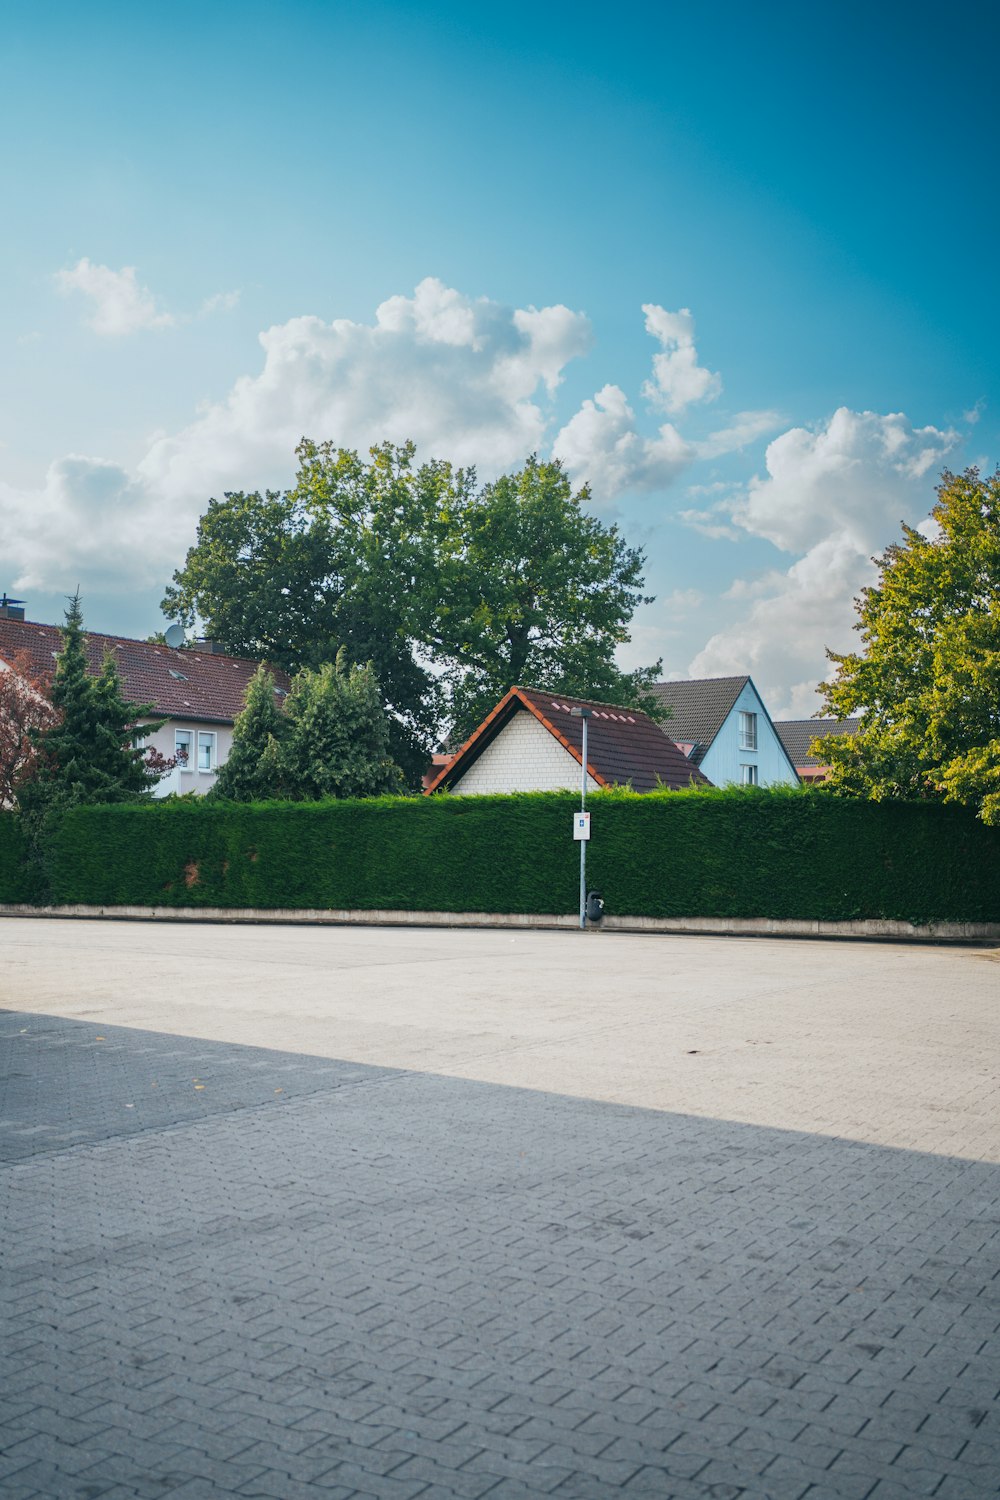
[236, 1270]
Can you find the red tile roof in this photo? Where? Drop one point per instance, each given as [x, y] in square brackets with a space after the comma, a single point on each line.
[624, 745]
[188, 684]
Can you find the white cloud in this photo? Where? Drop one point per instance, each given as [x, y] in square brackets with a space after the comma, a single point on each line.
[120, 305]
[90, 523]
[458, 375]
[600, 445]
[836, 494]
[464, 377]
[860, 474]
[678, 379]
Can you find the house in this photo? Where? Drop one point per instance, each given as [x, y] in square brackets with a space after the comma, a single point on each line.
[798, 734]
[198, 689]
[722, 725]
[532, 742]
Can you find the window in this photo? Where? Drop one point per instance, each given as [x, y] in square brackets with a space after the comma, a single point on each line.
[206, 750]
[182, 748]
[748, 731]
[748, 775]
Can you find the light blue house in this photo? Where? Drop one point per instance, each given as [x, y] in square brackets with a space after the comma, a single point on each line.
[723, 727]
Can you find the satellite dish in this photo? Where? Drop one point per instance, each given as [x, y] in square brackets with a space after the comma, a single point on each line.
[174, 636]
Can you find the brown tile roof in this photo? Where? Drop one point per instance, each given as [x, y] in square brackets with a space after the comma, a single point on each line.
[797, 734]
[624, 746]
[699, 708]
[207, 686]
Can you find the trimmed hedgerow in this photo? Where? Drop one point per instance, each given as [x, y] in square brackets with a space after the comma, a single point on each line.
[18, 877]
[737, 853]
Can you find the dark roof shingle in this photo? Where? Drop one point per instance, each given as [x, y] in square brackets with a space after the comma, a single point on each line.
[187, 684]
[797, 734]
[624, 745]
[699, 707]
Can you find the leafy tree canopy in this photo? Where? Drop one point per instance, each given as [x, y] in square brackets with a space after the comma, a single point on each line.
[452, 592]
[927, 684]
[290, 578]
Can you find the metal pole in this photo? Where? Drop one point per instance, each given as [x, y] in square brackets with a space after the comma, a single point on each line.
[583, 842]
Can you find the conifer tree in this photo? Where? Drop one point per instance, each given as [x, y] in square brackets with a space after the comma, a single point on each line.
[338, 737]
[253, 771]
[91, 752]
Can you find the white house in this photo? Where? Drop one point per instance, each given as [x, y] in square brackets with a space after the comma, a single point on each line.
[532, 742]
[198, 690]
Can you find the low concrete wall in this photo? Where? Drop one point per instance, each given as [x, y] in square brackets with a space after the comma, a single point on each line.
[866, 928]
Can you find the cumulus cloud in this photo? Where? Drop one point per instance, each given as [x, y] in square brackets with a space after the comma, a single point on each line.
[92, 523]
[837, 495]
[678, 379]
[860, 474]
[602, 443]
[119, 305]
[466, 378]
[460, 376]
[601, 446]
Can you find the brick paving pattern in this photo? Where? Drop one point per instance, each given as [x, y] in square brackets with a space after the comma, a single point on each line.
[229, 1270]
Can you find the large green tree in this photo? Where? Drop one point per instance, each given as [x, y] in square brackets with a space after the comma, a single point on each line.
[453, 592]
[291, 578]
[525, 586]
[927, 683]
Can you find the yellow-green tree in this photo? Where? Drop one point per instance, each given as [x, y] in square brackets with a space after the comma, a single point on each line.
[927, 683]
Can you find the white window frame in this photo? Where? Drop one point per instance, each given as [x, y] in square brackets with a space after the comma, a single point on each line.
[213, 752]
[184, 766]
[748, 729]
[749, 775]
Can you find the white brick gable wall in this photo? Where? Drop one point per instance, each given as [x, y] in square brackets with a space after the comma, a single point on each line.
[524, 757]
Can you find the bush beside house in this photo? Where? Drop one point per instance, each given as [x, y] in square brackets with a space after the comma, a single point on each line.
[702, 853]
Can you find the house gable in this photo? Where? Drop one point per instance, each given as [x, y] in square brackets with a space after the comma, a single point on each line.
[725, 757]
[624, 746]
[523, 755]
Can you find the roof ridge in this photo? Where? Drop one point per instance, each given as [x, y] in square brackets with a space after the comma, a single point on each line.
[573, 698]
[132, 640]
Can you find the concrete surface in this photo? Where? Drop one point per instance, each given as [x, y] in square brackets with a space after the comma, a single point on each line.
[346, 1212]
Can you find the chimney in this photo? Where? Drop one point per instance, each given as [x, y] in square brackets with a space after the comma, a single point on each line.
[11, 609]
[209, 648]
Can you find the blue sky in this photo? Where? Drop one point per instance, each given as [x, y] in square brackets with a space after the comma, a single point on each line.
[814, 184]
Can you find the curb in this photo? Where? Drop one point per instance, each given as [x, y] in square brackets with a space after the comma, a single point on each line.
[864, 929]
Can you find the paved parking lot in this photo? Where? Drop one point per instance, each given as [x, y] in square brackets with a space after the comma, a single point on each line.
[345, 1212]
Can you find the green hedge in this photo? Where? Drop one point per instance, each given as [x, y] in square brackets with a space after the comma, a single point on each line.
[717, 854]
[18, 881]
